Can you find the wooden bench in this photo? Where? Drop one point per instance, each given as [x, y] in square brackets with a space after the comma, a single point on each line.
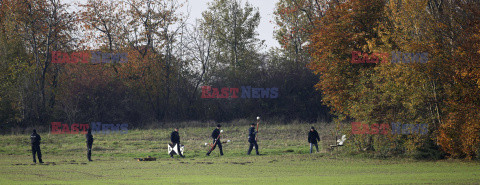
[339, 142]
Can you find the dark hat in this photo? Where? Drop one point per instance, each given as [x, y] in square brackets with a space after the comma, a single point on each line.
[252, 124]
[219, 125]
[313, 128]
[34, 130]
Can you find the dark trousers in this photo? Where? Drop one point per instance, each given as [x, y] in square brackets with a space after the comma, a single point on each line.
[178, 149]
[219, 143]
[36, 150]
[252, 143]
[89, 151]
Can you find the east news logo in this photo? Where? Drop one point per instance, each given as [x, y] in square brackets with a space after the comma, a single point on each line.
[397, 57]
[94, 57]
[396, 128]
[247, 92]
[97, 128]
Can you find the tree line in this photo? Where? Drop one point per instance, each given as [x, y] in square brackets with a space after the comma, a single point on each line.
[375, 62]
[169, 61]
[442, 92]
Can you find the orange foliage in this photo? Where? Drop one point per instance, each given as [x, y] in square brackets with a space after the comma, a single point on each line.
[342, 30]
[459, 135]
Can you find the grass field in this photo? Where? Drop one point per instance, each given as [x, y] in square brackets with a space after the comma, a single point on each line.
[285, 161]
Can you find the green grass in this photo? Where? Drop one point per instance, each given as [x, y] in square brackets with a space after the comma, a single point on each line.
[286, 161]
[275, 169]
[138, 143]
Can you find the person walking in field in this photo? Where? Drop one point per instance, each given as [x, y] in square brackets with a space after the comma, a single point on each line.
[89, 138]
[35, 141]
[252, 139]
[216, 140]
[175, 139]
[313, 139]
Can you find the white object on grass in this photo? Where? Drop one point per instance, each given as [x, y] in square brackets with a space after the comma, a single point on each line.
[174, 149]
[340, 141]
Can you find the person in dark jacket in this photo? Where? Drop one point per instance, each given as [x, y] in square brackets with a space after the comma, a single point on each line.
[252, 139]
[35, 141]
[216, 140]
[89, 137]
[175, 139]
[313, 138]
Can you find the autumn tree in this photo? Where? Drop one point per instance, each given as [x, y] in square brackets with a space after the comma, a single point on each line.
[15, 69]
[457, 29]
[105, 18]
[152, 34]
[340, 32]
[440, 91]
[352, 90]
[295, 20]
[43, 26]
[444, 29]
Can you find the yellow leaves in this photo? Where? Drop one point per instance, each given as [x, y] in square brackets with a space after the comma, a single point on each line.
[447, 86]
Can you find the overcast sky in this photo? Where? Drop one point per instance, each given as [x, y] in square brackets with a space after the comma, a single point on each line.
[266, 7]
